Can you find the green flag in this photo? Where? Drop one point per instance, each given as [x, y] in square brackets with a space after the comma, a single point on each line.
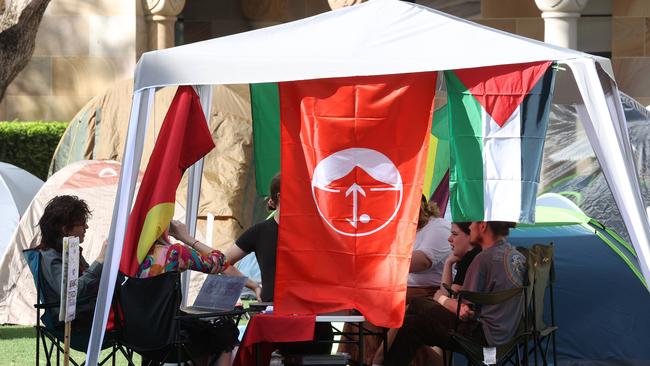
[265, 105]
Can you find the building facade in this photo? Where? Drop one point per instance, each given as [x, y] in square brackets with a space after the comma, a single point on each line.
[85, 46]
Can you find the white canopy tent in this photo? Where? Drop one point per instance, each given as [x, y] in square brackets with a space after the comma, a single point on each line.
[374, 38]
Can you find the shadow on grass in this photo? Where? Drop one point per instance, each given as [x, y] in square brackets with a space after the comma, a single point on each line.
[8, 332]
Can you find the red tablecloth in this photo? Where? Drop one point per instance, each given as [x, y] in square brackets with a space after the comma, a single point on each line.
[268, 329]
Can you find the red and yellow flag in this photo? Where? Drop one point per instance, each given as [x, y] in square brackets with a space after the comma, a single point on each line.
[353, 157]
[184, 138]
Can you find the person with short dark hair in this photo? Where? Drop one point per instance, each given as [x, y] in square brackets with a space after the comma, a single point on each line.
[498, 267]
[262, 239]
[68, 216]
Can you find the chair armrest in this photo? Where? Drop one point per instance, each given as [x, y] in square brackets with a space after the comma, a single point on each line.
[490, 298]
[449, 289]
[55, 304]
[213, 314]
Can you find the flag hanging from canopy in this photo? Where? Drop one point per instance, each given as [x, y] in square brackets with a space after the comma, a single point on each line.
[353, 159]
[184, 138]
[438, 155]
[265, 106]
[499, 116]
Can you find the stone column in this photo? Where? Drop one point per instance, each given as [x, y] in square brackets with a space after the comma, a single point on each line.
[561, 29]
[161, 19]
[561, 21]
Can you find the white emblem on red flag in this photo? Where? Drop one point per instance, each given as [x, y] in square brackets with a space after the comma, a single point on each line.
[357, 191]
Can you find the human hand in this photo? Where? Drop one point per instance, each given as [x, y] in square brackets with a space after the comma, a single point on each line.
[453, 259]
[180, 231]
[102, 252]
[437, 295]
[466, 313]
[258, 292]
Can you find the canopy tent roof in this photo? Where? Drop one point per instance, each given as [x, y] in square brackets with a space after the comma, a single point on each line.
[374, 38]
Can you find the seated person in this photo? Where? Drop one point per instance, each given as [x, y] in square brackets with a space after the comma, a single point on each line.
[462, 254]
[67, 216]
[207, 338]
[430, 250]
[262, 239]
[498, 267]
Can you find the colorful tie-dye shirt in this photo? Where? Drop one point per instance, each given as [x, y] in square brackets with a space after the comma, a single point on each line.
[178, 257]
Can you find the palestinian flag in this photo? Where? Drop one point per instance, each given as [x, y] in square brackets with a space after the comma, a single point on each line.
[353, 159]
[499, 117]
[184, 138]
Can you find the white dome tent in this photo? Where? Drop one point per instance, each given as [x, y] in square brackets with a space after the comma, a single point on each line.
[94, 181]
[377, 37]
[17, 189]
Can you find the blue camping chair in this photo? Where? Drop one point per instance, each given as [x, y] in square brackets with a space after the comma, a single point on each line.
[49, 332]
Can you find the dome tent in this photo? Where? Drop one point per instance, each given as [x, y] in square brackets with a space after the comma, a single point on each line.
[17, 189]
[601, 298]
[96, 183]
[378, 37]
[571, 168]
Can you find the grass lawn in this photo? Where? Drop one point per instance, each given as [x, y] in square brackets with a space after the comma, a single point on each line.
[18, 348]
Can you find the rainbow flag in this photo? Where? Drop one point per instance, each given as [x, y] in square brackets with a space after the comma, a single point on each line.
[436, 175]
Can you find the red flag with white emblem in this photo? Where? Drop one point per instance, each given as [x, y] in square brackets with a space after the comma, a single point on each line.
[353, 154]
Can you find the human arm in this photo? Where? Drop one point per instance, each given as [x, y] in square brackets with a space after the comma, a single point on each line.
[52, 268]
[250, 283]
[447, 276]
[451, 304]
[419, 262]
[431, 246]
[209, 260]
[180, 231]
[235, 254]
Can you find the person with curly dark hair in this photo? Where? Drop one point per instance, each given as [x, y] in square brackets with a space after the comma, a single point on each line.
[66, 216]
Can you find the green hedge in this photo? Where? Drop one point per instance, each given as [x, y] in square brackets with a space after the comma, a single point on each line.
[30, 145]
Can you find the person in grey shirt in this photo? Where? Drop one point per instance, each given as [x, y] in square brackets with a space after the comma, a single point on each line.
[67, 216]
[498, 267]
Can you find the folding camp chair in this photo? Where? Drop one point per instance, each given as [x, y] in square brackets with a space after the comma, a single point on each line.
[49, 332]
[153, 324]
[510, 352]
[540, 262]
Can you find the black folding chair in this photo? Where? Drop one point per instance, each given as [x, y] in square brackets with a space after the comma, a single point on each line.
[514, 351]
[50, 332]
[540, 262]
[153, 324]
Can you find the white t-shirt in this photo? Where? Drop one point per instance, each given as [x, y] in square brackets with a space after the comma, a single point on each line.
[432, 241]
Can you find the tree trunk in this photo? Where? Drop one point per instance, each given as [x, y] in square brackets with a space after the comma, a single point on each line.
[18, 26]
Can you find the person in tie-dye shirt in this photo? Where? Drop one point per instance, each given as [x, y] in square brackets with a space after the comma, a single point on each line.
[190, 254]
[208, 339]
